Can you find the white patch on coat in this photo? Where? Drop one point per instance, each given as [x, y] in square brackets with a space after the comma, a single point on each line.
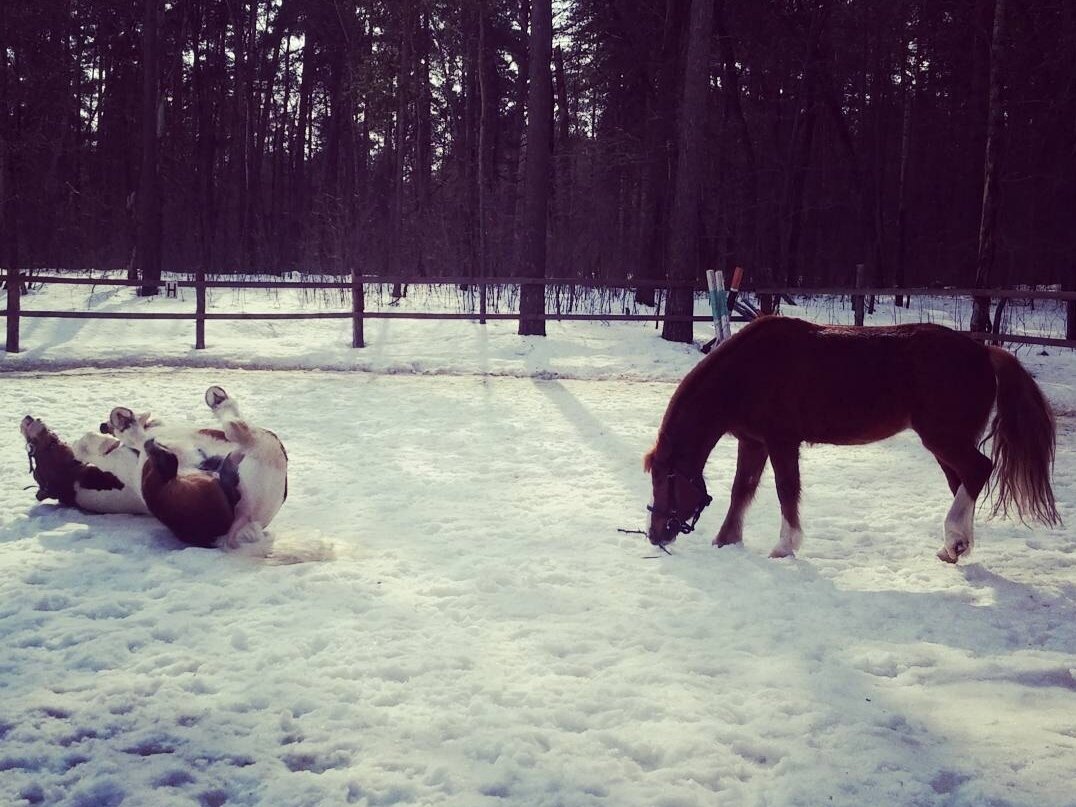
[109, 454]
[960, 525]
[791, 539]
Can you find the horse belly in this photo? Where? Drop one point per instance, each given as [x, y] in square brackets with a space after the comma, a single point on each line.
[126, 500]
[261, 489]
[858, 426]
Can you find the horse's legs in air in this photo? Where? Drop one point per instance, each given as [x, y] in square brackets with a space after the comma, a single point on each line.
[227, 411]
[972, 470]
[244, 529]
[750, 460]
[785, 460]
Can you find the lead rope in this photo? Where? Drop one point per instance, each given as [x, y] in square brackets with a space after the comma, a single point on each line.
[30, 461]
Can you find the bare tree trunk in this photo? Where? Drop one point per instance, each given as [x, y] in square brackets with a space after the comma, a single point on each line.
[300, 204]
[980, 316]
[538, 169]
[803, 132]
[908, 80]
[403, 98]
[657, 173]
[423, 119]
[749, 251]
[483, 126]
[149, 223]
[9, 192]
[684, 225]
[562, 98]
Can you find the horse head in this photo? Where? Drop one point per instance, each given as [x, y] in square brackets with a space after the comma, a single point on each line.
[678, 499]
[125, 420]
[52, 463]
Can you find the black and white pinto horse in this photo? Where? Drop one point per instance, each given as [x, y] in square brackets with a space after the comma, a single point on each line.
[210, 487]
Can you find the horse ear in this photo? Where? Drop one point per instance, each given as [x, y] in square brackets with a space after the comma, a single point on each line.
[121, 418]
[648, 459]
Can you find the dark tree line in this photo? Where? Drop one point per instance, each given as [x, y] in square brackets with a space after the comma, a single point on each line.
[649, 139]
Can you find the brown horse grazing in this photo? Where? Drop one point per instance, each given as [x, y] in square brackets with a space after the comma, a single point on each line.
[781, 382]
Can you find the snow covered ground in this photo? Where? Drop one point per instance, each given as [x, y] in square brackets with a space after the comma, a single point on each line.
[482, 634]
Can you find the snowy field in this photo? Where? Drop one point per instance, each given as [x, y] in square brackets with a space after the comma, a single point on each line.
[482, 634]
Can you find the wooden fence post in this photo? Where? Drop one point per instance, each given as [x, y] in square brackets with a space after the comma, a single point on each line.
[14, 307]
[857, 299]
[358, 305]
[199, 309]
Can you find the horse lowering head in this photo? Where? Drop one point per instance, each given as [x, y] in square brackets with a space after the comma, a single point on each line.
[679, 497]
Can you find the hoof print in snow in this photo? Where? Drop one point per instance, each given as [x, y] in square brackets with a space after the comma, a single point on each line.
[176, 778]
[213, 798]
[314, 763]
[150, 748]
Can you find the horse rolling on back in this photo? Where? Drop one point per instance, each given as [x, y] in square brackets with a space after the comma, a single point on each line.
[210, 486]
[782, 382]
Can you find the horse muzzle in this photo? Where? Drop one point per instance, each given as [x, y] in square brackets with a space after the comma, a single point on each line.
[664, 532]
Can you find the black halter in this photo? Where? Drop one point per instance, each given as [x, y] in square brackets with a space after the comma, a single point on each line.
[672, 515]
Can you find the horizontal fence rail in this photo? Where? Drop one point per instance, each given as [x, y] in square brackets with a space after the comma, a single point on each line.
[357, 284]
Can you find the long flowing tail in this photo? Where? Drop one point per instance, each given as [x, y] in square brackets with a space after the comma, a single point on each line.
[1023, 443]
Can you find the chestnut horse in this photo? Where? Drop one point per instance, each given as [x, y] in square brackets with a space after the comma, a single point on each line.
[781, 382]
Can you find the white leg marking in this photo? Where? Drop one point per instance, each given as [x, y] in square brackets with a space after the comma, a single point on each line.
[791, 538]
[959, 527]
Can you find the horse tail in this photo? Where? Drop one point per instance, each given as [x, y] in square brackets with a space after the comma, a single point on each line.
[1023, 443]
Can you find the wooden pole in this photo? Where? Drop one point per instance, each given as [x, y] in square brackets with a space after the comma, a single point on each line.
[199, 309]
[358, 305]
[857, 299]
[14, 306]
[1070, 310]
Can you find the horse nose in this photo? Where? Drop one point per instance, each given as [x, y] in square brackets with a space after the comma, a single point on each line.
[105, 428]
[660, 536]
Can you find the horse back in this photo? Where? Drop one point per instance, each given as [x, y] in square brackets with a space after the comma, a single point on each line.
[835, 384]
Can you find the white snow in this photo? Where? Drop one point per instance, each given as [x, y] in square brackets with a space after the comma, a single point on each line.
[482, 634]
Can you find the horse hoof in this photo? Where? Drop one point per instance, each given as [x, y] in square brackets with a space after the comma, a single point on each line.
[215, 396]
[121, 419]
[943, 554]
[722, 542]
[782, 552]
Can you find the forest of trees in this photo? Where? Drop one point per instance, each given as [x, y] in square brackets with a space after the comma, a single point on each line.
[645, 139]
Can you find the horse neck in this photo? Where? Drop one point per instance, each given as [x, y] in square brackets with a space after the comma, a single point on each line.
[691, 430]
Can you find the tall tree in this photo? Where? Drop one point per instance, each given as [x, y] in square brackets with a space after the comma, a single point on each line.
[980, 317]
[538, 178]
[149, 196]
[685, 224]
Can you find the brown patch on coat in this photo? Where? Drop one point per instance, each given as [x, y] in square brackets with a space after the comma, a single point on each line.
[194, 506]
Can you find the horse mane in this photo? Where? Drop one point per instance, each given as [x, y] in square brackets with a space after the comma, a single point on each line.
[698, 378]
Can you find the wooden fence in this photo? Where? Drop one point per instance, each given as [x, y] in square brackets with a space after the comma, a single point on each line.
[358, 314]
